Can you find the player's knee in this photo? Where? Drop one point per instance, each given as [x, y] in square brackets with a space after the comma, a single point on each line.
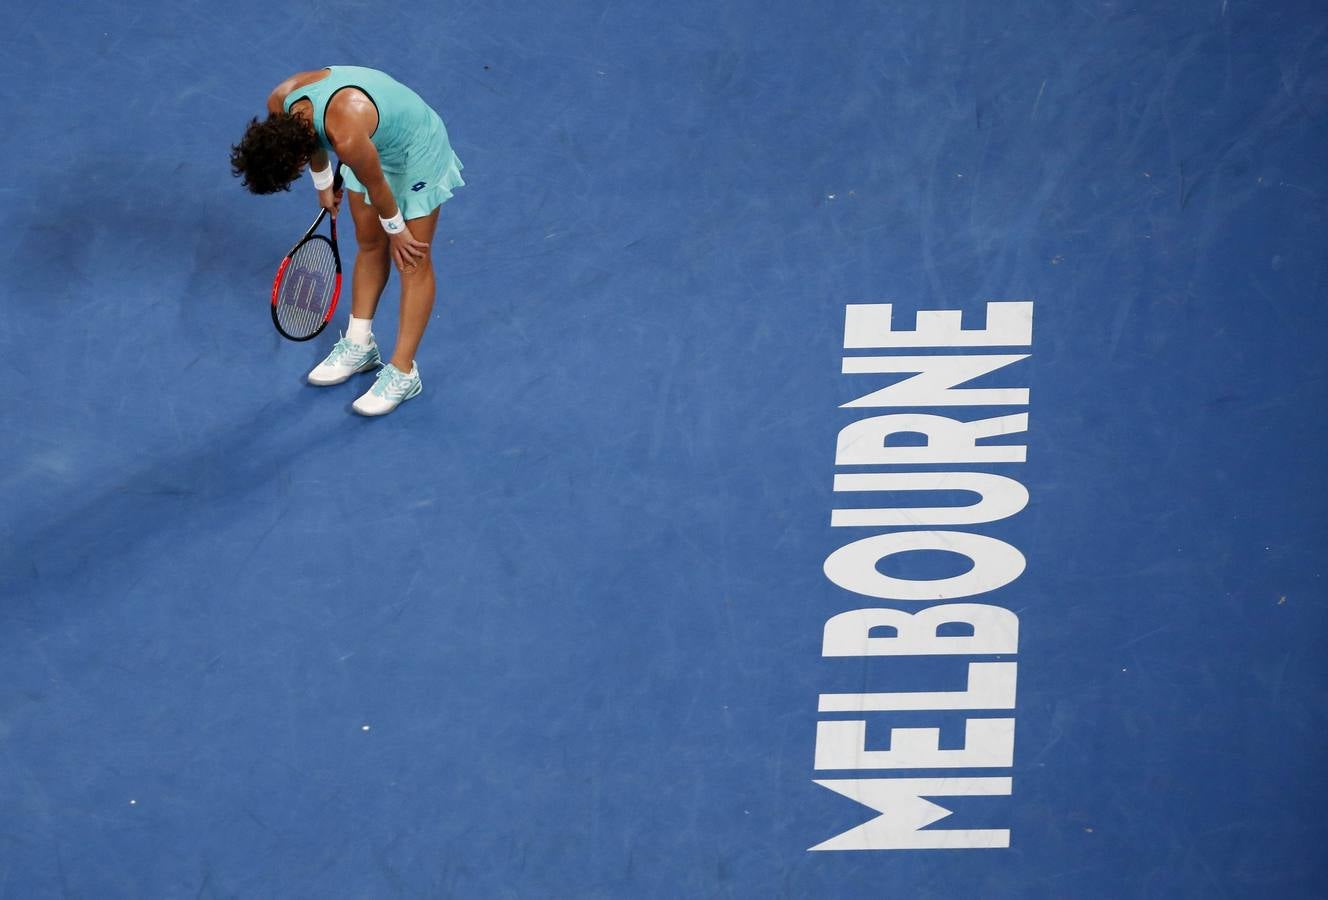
[421, 269]
[372, 243]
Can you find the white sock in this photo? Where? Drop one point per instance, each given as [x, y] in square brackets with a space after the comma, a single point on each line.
[360, 331]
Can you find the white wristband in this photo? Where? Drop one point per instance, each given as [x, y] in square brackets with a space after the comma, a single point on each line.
[394, 225]
[323, 179]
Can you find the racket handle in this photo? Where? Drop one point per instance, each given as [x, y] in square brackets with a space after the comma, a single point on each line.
[336, 175]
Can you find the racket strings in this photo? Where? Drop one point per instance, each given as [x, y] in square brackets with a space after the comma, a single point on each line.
[307, 288]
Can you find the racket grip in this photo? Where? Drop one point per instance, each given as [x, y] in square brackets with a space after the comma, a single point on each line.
[336, 175]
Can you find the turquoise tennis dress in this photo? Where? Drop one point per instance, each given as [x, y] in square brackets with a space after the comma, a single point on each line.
[411, 140]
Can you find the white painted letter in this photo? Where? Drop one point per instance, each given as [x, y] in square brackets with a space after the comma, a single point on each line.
[990, 686]
[998, 498]
[865, 442]
[995, 564]
[903, 812]
[995, 631]
[988, 743]
[1009, 324]
[934, 385]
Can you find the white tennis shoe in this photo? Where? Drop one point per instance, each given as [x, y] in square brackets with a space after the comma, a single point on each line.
[392, 388]
[344, 361]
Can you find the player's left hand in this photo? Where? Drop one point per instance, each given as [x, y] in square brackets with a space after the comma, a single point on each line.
[407, 252]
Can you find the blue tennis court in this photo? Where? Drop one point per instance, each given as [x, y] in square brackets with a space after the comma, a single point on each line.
[715, 560]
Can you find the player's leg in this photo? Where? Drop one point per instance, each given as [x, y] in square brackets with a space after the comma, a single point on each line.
[372, 260]
[400, 379]
[357, 351]
[418, 287]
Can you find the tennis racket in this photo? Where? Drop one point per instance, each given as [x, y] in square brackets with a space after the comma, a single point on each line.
[308, 283]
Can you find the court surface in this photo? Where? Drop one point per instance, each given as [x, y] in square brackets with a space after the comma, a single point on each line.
[554, 628]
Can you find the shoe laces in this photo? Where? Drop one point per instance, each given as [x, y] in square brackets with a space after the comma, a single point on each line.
[392, 383]
[344, 350]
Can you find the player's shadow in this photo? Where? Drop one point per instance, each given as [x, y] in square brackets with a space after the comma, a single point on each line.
[90, 543]
[185, 235]
[100, 255]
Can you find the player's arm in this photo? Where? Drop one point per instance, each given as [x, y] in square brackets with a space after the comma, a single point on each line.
[319, 161]
[358, 152]
[350, 120]
[277, 98]
[329, 197]
[361, 155]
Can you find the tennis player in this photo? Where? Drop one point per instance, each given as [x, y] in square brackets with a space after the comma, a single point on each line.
[399, 168]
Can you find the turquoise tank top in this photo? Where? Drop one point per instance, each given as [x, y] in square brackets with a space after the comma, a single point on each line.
[407, 126]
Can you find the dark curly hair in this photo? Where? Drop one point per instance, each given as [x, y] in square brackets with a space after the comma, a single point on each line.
[272, 153]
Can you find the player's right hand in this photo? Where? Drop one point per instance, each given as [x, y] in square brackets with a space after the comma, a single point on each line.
[329, 200]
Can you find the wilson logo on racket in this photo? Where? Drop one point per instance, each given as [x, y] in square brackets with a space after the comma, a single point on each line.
[308, 287]
[308, 283]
